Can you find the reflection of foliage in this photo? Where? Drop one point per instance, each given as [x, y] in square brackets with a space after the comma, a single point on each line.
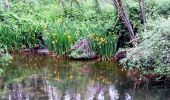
[5, 58]
[64, 75]
[71, 82]
[69, 79]
[16, 74]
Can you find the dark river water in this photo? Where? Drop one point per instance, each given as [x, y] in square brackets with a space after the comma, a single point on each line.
[31, 77]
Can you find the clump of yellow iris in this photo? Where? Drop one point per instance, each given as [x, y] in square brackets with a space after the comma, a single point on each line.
[91, 36]
[54, 38]
[102, 41]
[68, 37]
[99, 39]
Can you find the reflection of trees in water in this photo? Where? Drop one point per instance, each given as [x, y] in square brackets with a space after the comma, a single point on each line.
[37, 87]
[58, 81]
[44, 78]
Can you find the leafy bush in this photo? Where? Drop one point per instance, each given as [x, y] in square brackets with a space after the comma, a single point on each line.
[153, 51]
[156, 8]
[19, 26]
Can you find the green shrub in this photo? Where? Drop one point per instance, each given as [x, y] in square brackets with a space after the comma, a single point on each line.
[155, 8]
[153, 51]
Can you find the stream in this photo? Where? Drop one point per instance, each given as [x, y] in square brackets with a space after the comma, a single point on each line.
[31, 77]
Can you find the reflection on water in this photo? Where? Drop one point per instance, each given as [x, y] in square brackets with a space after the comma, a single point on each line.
[44, 78]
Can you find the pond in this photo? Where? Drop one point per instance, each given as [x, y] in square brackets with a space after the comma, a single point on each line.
[31, 77]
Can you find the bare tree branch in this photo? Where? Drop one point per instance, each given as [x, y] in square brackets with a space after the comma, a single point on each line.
[62, 3]
[142, 12]
[6, 4]
[122, 15]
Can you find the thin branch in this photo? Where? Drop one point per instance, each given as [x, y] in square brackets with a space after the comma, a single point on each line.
[6, 4]
[142, 12]
[124, 17]
[109, 2]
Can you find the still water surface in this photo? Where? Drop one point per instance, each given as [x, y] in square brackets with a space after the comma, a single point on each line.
[44, 78]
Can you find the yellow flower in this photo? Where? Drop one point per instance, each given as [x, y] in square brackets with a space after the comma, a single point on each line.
[102, 40]
[91, 36]
[69, 36]
[71, 77]
[97, 39]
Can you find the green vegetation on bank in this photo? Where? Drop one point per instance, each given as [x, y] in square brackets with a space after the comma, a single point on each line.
[25, 24]
[153, 51]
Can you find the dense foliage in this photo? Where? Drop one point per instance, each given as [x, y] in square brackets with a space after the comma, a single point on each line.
[48, 24]
[153, 51]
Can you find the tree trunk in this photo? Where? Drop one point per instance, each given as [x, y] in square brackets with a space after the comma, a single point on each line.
[76, 2]
[97, 6]
[142, 13]
[6, 4]
[123, 17]
[62, 3]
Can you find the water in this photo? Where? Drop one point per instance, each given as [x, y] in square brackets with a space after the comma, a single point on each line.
[32, 77]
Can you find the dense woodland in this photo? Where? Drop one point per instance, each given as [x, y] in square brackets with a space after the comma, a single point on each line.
[134, 32]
